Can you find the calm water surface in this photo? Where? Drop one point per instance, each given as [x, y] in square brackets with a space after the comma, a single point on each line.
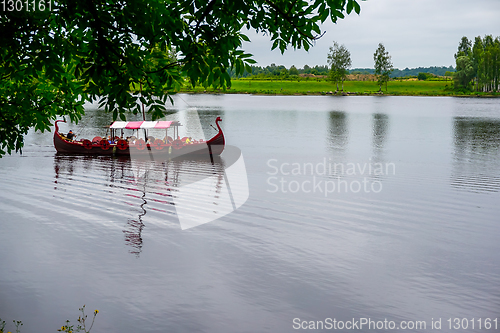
[409, 229]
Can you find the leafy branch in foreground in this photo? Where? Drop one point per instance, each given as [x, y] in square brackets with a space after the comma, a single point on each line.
[53, 61]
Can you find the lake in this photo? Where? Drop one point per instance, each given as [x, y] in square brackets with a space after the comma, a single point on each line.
[350, 209]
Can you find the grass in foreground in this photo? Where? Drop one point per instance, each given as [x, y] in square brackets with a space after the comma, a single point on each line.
[81, 326]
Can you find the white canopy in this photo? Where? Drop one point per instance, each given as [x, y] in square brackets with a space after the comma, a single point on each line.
[141, 124]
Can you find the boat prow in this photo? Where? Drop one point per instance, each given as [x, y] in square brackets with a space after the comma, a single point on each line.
[217, 143]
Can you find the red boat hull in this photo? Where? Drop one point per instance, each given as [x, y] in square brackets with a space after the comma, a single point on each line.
[214, 146]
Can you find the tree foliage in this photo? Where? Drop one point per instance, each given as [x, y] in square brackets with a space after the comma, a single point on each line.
[53, 61]
[486, 60]
[293, 70]
[478, 64]
[464, 73]
[383, 65]
[339, 60]
[422, 76]
[463, 47]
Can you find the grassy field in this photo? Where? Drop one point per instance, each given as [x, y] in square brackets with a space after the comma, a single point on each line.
[313, 87]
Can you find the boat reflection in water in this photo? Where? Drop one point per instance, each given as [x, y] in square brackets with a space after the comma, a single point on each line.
[193, 191]
[202, 189]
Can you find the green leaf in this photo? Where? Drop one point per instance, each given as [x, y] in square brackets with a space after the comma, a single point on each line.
[245, 38]
[324, 15]
[349, 6]
[275, 44]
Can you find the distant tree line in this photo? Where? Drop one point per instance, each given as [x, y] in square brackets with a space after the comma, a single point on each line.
[280, 71]
[276, 71]
[410, 72]
[478, 64]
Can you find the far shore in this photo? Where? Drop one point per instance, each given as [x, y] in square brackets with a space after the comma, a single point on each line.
[351, 88]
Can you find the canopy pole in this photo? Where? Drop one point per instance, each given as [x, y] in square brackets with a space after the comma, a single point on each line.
[143, 113]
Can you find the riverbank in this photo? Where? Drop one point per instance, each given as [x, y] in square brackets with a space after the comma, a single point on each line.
[323, 87]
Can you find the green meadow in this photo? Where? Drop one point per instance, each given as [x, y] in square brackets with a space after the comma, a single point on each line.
[321, 87]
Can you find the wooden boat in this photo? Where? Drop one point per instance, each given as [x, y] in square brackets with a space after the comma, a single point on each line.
[138, 146]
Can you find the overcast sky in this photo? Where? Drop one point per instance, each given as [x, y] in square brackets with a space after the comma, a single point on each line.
[417, 33]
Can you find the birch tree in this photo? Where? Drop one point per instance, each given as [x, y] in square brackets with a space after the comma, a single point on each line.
[479, 62]
[339, 61]
[383, 65]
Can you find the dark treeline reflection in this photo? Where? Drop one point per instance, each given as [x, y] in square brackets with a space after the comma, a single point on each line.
[476, 155]
[338, 131]
[130, 189]
[380, 130]
[338, 134]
